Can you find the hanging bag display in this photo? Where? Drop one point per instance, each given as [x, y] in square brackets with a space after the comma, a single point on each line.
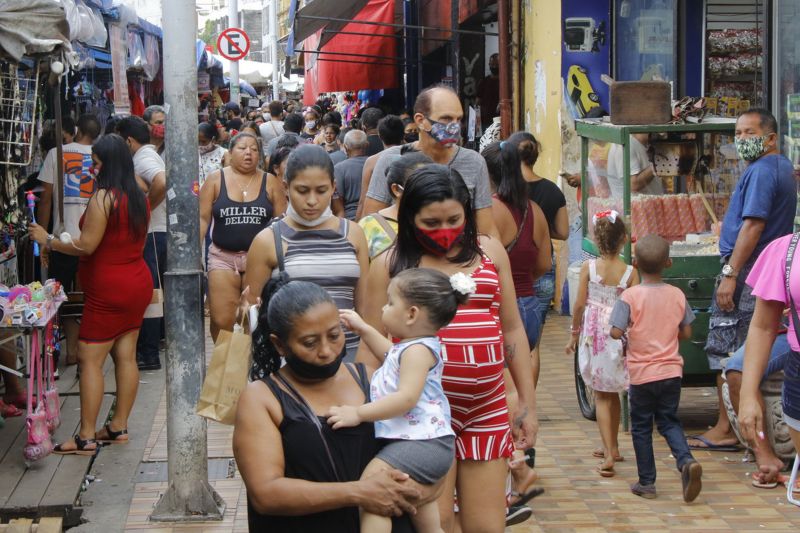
[39, 444]
[52, 403]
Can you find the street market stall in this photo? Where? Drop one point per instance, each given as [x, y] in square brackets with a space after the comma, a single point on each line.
[697, 169]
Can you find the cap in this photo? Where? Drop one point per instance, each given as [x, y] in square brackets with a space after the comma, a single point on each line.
[233, 106]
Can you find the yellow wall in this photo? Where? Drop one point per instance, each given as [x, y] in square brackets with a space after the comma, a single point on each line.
[542, 70]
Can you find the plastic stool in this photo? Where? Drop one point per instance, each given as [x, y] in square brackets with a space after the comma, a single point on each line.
[793, 482]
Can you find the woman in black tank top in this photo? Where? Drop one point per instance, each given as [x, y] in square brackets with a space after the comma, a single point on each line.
[241, 201]
[300, 474]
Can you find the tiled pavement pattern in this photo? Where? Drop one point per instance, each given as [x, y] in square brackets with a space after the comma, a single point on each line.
[576, 498]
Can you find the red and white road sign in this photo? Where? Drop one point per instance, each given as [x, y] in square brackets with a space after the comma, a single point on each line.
[233, 44]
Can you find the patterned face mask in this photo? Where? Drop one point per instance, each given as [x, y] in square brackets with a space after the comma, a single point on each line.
[751, 148]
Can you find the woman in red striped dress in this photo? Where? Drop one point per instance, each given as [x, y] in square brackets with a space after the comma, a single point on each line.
[437, 230]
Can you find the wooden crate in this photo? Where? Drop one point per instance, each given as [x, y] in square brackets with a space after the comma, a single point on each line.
[28, 525]
[641, 102]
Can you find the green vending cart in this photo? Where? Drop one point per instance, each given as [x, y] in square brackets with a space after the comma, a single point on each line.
[695, 170]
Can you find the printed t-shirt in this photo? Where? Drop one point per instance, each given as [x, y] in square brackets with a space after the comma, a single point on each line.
[377, 238]
[147, 164]
[468, 163]
[79, 184]
[767, 191]
[652, 315]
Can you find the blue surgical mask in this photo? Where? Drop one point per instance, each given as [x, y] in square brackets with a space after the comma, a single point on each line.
[444, 133]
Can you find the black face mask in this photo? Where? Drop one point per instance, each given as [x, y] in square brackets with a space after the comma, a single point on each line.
[311, 371]
[494, 70]
[411, 137]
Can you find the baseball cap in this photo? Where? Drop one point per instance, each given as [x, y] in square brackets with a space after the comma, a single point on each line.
[233, 106]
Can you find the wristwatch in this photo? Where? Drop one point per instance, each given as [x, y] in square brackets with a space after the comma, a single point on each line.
[49, 244]
[728, 271]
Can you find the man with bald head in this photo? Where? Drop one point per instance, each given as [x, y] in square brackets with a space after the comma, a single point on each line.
[438, 114]
[348, 173]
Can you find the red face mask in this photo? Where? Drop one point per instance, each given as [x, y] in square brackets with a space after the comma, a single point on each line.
[157, 131]
[439, 241]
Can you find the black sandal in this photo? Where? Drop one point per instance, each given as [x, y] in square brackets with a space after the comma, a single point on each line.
[113, 436]
[81, 447]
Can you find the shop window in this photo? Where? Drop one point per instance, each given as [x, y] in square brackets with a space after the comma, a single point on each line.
[787, 77]
[645, 40]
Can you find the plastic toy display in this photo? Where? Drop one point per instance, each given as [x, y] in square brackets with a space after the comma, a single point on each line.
[30, 305]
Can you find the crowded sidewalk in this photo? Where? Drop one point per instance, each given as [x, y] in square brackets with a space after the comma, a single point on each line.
[575, 498]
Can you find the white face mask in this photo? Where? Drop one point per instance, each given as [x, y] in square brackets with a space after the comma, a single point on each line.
[297, 218]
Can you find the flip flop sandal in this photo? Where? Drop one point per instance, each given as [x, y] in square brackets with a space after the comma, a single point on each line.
[113, 436]
[606, 472]
[780, 479]
[8, 410]
[598, 453]
[526, 497]
[20, 400]
[710, 446]
[80, 449]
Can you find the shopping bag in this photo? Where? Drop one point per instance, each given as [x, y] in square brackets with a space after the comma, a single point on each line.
[226, 376]
[156, 307]
[38, 444]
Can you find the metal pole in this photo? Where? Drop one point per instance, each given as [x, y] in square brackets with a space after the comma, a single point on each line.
[189, 497]
[273, 39]
[505, 69]
[233, 22]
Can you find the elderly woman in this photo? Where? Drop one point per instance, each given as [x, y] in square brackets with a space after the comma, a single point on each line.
[315, 245]
[212, 156]
[775, 280]
[241, 200]
[117, 286]
[300, 474]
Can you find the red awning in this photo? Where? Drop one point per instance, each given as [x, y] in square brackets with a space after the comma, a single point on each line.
[349, 62]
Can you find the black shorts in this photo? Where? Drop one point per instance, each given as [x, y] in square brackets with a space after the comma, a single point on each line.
[63, 268]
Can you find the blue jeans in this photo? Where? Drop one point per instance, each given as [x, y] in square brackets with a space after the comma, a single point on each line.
[656, 400]
[150, 334]
[529, 312]
[777, 357]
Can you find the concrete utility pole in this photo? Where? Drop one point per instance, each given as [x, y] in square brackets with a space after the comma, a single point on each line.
[189, 496]
[233, 22]
[273, 39]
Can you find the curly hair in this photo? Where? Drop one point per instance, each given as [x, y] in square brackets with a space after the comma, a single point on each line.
[610, 236]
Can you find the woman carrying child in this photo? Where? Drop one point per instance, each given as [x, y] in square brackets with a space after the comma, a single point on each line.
[409, 407]
[601, 358]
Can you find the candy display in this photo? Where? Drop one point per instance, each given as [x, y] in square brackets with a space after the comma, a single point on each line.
[725, 42]
[30, 305]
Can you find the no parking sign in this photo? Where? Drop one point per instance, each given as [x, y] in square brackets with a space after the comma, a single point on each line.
[233, 44]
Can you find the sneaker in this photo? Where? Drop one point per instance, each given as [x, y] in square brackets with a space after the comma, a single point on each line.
[645, 491]
[517, 514]
[691, 474]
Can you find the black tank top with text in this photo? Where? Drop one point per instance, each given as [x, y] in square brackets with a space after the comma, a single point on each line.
[236, 224]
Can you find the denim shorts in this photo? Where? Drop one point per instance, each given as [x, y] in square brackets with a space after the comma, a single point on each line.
[531, 320]
[791, 387]
[777, 357]
[545, 290]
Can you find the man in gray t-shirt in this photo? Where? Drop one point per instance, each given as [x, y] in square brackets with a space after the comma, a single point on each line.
[438, 105]
[347, 174]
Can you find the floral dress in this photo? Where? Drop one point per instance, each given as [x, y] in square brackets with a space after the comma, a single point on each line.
[600, 358]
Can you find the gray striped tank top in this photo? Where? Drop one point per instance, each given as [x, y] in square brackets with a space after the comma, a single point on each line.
[327, 258]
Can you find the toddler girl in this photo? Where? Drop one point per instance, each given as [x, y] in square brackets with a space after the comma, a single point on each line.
[600, 358]
[408, 405]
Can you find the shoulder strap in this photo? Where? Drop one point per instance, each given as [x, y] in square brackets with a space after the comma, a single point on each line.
[344, 227]
[519, 229]
[359, 373]
[623, 283]
[788, 271]
[385, 225]
[593, 271]
[276, 232]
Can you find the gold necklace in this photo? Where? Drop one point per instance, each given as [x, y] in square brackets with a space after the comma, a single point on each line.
[244, 190]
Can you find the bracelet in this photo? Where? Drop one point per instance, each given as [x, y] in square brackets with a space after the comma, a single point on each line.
[575, 330]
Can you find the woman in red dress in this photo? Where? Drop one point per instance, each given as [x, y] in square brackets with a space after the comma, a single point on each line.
[117, 286]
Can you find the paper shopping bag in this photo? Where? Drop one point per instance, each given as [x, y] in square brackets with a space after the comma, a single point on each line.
[226, 377]
[156, 307]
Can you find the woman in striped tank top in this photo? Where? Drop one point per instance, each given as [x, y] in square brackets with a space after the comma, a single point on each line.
[316, 246]
[437, 230]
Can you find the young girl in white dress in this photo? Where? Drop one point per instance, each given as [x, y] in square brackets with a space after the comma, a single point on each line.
[601, 358]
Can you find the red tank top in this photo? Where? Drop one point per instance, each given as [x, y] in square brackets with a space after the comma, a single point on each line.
[523, 253]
